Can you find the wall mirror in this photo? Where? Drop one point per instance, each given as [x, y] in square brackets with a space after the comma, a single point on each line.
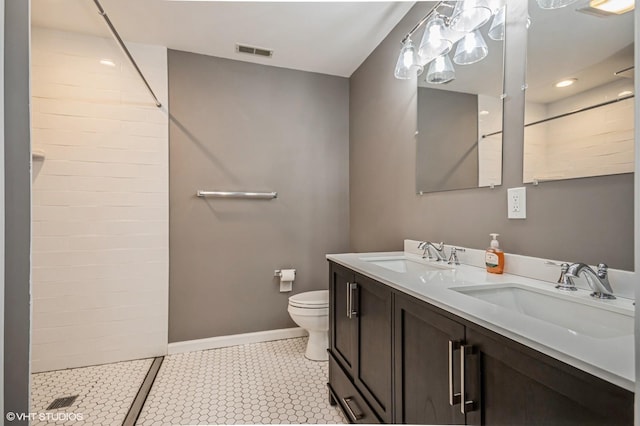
[459, 137]
[579, 111]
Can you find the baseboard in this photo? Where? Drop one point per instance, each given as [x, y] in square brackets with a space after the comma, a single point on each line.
[234, 340]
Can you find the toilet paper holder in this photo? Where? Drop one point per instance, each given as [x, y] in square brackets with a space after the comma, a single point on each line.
[277, 273]
[286, 278]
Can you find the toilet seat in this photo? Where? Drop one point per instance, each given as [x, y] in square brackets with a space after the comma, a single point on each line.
[310, 300]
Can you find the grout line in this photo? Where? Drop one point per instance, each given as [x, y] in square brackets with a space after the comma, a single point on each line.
[138, 402]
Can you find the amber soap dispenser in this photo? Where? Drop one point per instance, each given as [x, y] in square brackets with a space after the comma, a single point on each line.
[494, 257]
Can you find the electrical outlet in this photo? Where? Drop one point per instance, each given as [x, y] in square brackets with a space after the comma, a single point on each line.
[517, 203]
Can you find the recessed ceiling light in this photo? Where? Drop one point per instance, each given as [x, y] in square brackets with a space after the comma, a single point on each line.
[566, 83]
[484, 112]
[107, 62]
[613, 6]
[625, 93]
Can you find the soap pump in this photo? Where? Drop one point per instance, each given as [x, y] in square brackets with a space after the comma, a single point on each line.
[494, 257]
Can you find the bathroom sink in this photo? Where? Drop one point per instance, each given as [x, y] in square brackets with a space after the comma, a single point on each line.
[578, 316]
[403, 264]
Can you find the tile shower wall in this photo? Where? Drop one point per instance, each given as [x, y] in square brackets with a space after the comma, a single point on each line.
[555, 141]
[100, 202]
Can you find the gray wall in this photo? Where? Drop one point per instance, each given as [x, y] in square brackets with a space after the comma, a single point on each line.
[241, 126]
[588, 220]
[17, 175]
[447, 140]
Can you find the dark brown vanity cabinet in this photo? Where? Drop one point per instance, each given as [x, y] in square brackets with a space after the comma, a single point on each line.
[512, 384]
[439, 358]
[427, 370]
[360, 346]
[394, 358]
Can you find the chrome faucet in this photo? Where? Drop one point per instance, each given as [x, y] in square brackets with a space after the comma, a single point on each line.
[453, 257]
[428, 246]
[598, 281]
[564, 282]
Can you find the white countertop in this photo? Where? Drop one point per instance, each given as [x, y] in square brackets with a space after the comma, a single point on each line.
[611, 359]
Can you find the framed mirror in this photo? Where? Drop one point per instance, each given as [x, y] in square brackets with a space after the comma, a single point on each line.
[579, 110]
[459, 134]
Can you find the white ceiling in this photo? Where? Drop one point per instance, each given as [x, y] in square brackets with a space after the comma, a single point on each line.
[325, 37]
[566, 43]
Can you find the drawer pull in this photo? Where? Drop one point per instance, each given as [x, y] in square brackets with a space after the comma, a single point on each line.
[466, 405]
[352, 310]
[354, 415]
[454, 398]
[349, 300]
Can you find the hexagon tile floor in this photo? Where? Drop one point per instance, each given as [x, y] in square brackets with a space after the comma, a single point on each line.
[260, 383]
[105, 393]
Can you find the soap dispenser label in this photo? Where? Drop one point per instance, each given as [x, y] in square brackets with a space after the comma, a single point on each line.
[491, 260]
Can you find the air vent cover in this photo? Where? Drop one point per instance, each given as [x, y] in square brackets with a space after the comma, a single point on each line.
[252, 50]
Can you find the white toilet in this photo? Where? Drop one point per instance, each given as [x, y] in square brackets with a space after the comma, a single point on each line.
[310, 310]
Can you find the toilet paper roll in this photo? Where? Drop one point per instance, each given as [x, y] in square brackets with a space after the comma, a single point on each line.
[287, 275]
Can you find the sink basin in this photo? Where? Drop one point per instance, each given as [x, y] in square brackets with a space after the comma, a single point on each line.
[403, 264]
[578, 316]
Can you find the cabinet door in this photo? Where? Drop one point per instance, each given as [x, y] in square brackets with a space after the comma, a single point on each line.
[424, 366]
[342, 327]
[374, 366]
[516, 385]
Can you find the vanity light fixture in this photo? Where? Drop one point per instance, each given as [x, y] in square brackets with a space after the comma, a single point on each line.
[554, 4]
[443, 31]
[408, 63]
[469, 15]
[471, 49]
[107, 62]
[496, 31]
[450, 22]
[434, 43]
[566, 83]
[441, 70]
[617, 7]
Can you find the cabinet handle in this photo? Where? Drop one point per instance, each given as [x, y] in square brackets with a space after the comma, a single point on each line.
[353, 312]
[353, 415]
[454, 398]
[466, 405]
[349, 300]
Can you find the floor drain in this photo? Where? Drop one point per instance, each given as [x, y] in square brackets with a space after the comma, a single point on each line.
[67, 401]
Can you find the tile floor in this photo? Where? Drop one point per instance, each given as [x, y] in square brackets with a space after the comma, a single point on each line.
[105, 393]
[259, 383]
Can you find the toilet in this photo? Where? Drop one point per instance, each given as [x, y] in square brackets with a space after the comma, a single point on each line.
[310, 310]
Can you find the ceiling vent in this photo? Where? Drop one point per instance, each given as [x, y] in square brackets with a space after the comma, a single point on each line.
[252, 50]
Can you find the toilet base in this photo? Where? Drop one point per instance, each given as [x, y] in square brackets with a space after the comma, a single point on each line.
[317, 346]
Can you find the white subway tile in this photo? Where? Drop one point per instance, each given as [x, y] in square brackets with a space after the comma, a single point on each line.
[100, 203]
[148, 271]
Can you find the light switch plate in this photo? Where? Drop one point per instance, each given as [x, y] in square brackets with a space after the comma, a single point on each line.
[517, 203]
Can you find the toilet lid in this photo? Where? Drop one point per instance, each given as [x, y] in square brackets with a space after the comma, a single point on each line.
[311, 299]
